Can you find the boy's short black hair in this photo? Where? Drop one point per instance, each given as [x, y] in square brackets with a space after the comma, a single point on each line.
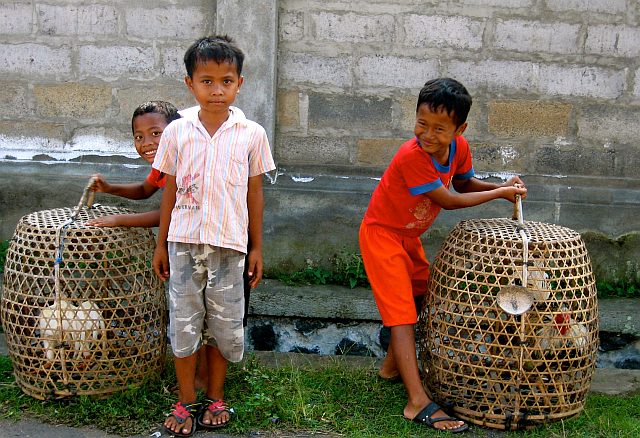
[218, 48]
[166, 109]
[449, 94]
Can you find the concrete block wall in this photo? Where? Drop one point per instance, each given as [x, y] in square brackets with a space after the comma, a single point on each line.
[72, 72]
[555, 87]
[547, 77]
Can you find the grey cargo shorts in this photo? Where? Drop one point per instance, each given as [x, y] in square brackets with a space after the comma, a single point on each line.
[206, 299]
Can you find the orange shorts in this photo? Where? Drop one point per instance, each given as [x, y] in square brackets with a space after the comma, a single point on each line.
[397, 269]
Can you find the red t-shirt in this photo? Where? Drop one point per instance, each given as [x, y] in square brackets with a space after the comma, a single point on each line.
[400, 203]
[157, 178]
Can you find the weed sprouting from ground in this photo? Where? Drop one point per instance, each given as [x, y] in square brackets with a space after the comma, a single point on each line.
[346, 269]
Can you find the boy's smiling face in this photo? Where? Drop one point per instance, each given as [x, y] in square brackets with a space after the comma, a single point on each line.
[147, 130]
[435, 130]
[214, 85]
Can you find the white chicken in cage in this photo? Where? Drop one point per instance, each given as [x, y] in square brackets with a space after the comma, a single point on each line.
[83, 327]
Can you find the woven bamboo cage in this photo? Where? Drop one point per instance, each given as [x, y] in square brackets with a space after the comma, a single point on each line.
[82, 310]
[503, 370]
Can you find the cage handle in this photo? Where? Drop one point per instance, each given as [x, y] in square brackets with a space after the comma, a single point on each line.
[517, 211]
[87, 197]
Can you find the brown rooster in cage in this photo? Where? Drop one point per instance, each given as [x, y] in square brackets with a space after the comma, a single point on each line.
[561, 332]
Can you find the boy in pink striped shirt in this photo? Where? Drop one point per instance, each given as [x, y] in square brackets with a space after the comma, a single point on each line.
[212, 204]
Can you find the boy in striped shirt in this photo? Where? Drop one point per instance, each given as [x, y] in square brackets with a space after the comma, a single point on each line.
[214, 159]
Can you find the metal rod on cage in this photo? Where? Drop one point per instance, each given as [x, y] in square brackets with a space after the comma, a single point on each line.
[59, 239]
[58, 300]
[525, 281]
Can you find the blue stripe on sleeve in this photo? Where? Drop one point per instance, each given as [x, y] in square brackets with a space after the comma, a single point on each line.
[424, 188]
[467, 175]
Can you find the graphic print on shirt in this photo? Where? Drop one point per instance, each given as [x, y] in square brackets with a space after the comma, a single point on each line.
[424, 215]
[188, 187]
[424, 212]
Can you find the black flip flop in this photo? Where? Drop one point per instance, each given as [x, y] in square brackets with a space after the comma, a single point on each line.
[425, 417]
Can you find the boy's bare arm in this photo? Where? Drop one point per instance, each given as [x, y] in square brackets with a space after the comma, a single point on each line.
[255, 205]
[449, 200]
[161, 255]
[145, 220]
[142, 190]
[476, 185]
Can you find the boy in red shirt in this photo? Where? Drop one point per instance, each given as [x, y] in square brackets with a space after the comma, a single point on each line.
[411, 193]
[147, 124]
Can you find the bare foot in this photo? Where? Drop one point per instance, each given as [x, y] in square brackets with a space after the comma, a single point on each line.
[217, 414]
[181, 419]
[388, 370]
[412, 413]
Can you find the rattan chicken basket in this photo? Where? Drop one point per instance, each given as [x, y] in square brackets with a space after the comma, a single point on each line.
[82, 310]
[509, 331]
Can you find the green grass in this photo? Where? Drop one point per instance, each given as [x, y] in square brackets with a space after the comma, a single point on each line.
[346, 269]
[333, 399]
[4, 246]
[619, 289]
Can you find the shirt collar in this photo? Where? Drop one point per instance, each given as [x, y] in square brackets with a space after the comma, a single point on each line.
[236, 116]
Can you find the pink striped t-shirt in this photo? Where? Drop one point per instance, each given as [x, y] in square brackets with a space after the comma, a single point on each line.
[212, 174]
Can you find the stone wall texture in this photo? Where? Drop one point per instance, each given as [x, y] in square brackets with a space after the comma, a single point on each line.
[556, 87]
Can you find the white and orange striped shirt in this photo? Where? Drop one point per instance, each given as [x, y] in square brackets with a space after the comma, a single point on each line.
[212, 174]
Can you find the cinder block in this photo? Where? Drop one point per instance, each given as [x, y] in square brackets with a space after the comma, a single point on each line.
[349, 112]
[377, 151]
[476, 119]
[610, 40]
[535, 36]
[498, 157]
[585, 81]
[499, 3]
[72, 100]
[495, 75]
[312, 150]
[305, 68]
[93, 19]
[351, 27]
[608, 124]
[173, 62]
[16, 18]
[628, 166]
[528, 118]
[291, 26]
[406, 115]
[288, 108]
[576, 6]
[35, 60]
[13, 101]
[442, 31]
[573, 159]
[114, 62]
[99, 140]
[22, 139]
[129, 98]
[395, 72]
[182, 22]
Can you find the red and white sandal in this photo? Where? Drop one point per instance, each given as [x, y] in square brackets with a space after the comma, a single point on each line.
[216, 407]
[181, 413]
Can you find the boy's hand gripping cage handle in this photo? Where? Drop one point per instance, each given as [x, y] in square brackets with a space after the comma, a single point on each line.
[87, 198]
